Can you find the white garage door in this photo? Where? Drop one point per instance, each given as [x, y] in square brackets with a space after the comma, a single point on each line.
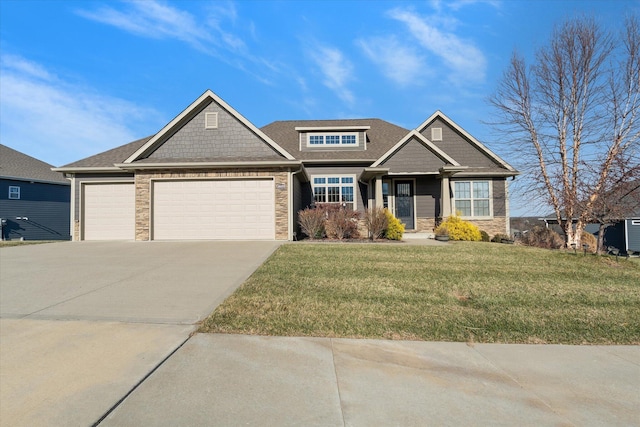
[214, 209]
[109, 211]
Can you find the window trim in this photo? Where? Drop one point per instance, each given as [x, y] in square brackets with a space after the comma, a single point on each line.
[471, 182]
[324, 135]
[340, 184]
[14, 192]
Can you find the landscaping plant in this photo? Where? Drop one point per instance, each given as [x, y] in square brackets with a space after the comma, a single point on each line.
[461, 230]
[375, 219]
[395, 228]
[311, 222]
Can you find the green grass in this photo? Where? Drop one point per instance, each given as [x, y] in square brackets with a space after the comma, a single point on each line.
[482, 292]
[11, 243]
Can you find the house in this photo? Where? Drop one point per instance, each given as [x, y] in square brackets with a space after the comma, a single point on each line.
[211, 174]
[34, 200]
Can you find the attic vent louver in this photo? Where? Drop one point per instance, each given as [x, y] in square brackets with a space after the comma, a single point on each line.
[211, 120]
[436, 134]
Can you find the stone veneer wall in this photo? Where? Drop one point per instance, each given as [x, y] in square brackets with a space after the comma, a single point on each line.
[143, 192]
[425, 225]
[76, 231]
[492, 226]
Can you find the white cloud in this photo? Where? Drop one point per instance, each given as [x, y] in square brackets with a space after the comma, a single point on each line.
[154, 20]
[207, 33]
[400, 63]
[337, 71]
[464, 60]
[60, 122]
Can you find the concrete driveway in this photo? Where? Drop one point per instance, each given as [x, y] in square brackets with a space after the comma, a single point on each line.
[81, 323]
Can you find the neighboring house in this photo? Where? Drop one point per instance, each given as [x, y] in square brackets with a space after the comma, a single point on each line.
[211, 174]
[34, 200]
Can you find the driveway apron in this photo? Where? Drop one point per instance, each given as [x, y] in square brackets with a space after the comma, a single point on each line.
[82, 323]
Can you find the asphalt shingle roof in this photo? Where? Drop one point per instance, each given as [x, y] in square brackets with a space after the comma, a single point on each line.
[110, 157]
[14, 164]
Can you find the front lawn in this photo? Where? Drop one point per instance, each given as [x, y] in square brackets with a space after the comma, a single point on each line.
[482, 292]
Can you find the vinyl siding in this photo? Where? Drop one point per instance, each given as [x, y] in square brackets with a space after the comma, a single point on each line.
[499, 198]
[45, 205]
[633, 235]
[456, 146]
[413, 157]
[428, 197]
[231, 139]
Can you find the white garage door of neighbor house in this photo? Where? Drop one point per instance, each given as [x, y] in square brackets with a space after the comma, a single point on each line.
[214, 209]
[109, 211]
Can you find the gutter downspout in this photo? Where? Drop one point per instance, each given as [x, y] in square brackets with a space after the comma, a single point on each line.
[291, 214]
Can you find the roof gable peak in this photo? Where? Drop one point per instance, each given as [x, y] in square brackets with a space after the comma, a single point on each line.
[178, 122]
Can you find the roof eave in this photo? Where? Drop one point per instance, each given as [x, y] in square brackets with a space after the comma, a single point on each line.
[39, 181]
[208, 165]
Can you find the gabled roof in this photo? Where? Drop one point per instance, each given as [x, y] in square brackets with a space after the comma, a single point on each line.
[381, 136]
[14, 164]
[177, 122]
[424, 141]
[439, 114]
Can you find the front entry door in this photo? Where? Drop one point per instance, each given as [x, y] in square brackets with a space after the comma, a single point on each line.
[404, 203]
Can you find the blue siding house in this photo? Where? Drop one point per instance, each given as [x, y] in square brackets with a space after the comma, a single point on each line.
[34, 200]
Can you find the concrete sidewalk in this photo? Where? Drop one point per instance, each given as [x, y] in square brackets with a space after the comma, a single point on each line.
[246, 380]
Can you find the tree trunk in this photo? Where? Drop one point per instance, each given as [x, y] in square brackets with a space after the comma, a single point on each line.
[600, 247]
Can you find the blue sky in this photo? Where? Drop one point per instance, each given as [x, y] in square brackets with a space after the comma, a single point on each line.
[81, 77]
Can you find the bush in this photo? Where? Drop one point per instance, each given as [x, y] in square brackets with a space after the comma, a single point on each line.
[341, 223]
[375, 220]
[442, 230]
[461, 230]
[589, 240]
[543, 237]
[485, 236]
[312, 222]
[499, 237]
[395, 229]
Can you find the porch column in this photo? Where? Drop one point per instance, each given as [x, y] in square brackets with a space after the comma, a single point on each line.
[379, 202]
[445, 198]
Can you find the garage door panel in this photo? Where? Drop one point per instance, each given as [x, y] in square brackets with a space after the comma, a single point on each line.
[214, 209]
[109, 211]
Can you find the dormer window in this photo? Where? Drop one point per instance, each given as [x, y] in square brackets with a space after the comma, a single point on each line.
[349, 138]
[332, 139]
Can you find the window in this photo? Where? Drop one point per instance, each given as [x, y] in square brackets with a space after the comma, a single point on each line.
[211, 120]
[436, 134]
[385, 195]
[14, 192]
[332, 139]
[334, 189]
[472, 198]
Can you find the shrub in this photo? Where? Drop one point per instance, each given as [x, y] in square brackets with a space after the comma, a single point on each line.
[543, 237]
[375, 220]
[485, 236]
[395, 228]
[312, 222]
[589, 240]
[461, 230]
[441, 230]
[499, 237]
[342, 223]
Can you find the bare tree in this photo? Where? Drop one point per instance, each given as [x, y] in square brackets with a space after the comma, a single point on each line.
[572, 117]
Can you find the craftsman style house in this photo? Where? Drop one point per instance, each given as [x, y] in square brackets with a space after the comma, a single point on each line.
[211, 174]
